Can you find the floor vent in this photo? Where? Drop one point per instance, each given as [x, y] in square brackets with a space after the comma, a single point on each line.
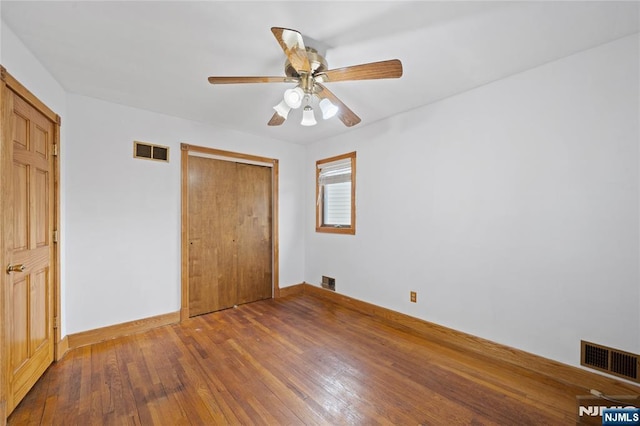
[329, 283]
[609, 360]
[150, 152]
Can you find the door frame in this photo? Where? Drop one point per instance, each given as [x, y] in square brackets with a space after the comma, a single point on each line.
[9, 84]
[200, 151]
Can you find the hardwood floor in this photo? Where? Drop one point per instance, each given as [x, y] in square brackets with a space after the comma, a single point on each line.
[295, 360]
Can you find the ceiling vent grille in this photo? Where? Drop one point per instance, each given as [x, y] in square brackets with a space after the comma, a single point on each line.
[150, 152]
[609, 360]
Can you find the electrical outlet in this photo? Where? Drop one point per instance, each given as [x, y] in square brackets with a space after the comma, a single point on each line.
[413, 296]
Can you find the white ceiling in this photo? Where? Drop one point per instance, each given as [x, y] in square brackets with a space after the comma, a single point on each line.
[157, 55]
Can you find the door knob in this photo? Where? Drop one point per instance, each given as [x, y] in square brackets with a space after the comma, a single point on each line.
[15, 268]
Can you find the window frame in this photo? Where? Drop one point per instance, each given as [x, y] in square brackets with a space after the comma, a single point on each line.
[333, 229]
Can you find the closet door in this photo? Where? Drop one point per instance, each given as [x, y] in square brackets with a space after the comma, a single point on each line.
[254, 233]
[230, 244]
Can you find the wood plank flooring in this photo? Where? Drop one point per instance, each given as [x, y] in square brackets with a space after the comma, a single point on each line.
[295, 360]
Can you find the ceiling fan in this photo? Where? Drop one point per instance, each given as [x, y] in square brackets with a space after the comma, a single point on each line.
[308, 69]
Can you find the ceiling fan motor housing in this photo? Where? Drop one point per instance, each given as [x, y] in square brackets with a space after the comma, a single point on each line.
[316, 61]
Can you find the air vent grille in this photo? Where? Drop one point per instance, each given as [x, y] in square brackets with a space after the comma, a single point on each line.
[625, 365]
[150, 152]
[609, 360]
[329, 283]
[596, 357]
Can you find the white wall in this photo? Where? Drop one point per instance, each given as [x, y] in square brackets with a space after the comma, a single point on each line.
[123, 214]
[28, 70]
[511, 209]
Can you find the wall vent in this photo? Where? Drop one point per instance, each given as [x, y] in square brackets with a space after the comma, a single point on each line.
[609, 360]
[329, 283]
[150, 152]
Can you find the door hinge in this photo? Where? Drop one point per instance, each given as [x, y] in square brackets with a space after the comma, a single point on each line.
[55, 236]
[55, 150]
[56, 322]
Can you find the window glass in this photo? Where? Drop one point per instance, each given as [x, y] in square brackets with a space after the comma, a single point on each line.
[335, 189]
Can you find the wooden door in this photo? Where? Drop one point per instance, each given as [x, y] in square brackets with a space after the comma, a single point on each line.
[253, 232]
[230, 245]
[28, 240]
[212, 225]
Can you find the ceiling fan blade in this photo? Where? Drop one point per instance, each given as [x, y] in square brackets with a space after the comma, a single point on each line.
[371, 71]
[293, 46]
[348, 117]
[276, 120]
[236, 80]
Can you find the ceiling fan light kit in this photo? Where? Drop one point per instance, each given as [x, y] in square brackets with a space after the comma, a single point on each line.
[308, 69]
[308, 117]
[329, 110]
[282, 109]
[293, 97]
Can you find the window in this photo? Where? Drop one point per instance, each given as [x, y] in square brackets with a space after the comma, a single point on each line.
[336, 194]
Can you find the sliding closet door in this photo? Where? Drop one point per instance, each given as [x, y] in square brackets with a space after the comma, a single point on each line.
[212, 219]
[254, 232]
[230, 247]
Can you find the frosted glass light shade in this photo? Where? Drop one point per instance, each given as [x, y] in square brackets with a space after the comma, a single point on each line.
[282, 109]
[308, 118]
[293, 97]
[328, 109]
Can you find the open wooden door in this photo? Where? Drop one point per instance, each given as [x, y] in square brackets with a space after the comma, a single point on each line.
[229, 229]
[28, 173]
